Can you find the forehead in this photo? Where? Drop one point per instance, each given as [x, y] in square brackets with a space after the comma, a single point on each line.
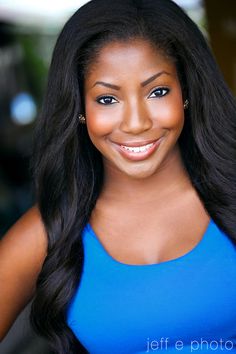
[121, 59]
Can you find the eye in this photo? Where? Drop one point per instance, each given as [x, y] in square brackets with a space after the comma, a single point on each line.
[159, 92]
[106, 100]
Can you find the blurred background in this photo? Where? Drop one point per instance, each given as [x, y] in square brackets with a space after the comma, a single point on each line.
[28, 31]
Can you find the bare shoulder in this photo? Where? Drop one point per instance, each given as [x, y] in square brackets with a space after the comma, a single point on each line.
[25, 240]
[22, 252]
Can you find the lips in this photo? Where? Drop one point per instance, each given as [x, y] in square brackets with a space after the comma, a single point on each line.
[137, 151]
[137, 143]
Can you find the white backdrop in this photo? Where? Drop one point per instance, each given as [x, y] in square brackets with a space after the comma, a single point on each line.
[52, 12]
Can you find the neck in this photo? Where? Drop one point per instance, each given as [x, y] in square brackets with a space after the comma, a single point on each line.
[166, 182]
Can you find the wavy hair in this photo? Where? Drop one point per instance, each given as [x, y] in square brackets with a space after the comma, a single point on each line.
[67, 167]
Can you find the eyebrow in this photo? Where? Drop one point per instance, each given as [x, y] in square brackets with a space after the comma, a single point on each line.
[143, 84]
[115, 87]
[152, 78]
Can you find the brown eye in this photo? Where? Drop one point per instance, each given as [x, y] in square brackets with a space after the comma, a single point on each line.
[106, 100]
[159, 92]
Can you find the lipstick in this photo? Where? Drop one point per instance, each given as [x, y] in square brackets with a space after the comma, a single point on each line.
[138, 151]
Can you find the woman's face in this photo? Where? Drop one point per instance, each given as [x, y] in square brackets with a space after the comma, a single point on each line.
[134, 107]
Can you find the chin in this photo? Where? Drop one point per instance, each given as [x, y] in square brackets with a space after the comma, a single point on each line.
[139, 173]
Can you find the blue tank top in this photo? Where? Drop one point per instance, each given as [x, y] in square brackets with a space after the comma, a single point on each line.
[184, 305]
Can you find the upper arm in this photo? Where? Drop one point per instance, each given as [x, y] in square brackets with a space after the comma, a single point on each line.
[22, 253]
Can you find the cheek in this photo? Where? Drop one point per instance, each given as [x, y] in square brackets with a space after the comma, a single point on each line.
[98, 123]
[170, 115]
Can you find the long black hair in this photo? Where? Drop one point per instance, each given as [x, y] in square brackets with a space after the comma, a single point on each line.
[68, 168]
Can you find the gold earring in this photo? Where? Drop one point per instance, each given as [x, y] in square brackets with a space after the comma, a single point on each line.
[82, 119]
[186, 103]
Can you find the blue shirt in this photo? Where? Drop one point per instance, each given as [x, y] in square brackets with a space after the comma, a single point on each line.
[184, 305]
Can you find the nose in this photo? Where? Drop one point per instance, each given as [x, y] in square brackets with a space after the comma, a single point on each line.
[135, 119]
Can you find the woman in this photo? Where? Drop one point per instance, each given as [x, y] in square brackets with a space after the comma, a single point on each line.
[135, 175]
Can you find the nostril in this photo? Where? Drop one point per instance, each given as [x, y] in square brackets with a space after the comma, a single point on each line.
[136, 124]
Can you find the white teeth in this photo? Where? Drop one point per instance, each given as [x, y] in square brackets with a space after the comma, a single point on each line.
[137, 148]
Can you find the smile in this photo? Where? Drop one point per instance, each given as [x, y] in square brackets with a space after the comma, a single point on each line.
[138, 151]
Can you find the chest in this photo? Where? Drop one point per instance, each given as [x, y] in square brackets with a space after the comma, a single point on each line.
[145, 234]
[151, 242]
[118, 307]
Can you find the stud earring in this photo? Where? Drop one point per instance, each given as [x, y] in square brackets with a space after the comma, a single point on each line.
[186, 103]
[82, 119]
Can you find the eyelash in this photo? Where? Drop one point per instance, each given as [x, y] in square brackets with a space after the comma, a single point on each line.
[99, 99]
[165, 89]
[160, 89]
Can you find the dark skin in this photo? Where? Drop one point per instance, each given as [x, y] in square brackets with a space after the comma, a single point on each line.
[22, 253]
[148, 211]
